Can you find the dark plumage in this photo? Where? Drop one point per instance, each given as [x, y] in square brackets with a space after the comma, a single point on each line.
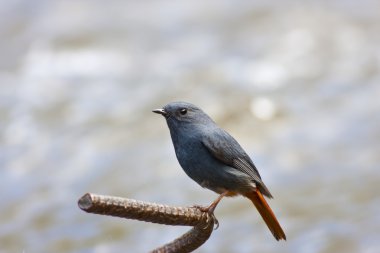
[215, 160]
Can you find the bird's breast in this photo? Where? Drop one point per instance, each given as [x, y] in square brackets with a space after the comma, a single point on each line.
[196, 160]
[201, 165]
[189, 151]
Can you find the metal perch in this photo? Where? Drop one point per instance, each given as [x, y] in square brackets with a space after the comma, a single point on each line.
[202, 222]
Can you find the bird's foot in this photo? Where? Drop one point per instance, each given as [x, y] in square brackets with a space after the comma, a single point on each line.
[210, 211]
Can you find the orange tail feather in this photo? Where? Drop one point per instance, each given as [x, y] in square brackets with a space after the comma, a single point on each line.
[267, 214]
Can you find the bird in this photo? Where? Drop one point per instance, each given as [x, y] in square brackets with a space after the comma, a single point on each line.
[215, 160]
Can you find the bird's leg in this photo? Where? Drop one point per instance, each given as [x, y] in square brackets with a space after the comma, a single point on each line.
[210, 209]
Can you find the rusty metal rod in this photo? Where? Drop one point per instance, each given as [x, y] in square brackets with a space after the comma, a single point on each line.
[202, 222]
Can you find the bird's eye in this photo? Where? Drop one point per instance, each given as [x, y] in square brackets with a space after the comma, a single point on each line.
[183, 111]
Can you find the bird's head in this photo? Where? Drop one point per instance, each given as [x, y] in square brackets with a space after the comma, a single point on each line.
[183, 113]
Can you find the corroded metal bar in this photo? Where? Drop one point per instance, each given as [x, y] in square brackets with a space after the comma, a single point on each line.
[202, 222]
[144, 211]
[189, 241]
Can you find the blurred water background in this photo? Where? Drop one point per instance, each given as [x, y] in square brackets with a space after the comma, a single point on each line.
[296, 82]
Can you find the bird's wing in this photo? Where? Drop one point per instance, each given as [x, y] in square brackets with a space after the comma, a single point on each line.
[227, 150]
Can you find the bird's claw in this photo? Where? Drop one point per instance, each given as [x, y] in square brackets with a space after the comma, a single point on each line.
[216, 222]
[210, 211]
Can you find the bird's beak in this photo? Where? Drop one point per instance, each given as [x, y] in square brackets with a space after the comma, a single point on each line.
[160, 111]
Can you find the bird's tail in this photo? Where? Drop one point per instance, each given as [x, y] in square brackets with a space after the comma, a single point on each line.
[266, 212]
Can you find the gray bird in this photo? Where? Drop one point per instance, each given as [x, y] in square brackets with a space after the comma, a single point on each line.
[215, 160]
